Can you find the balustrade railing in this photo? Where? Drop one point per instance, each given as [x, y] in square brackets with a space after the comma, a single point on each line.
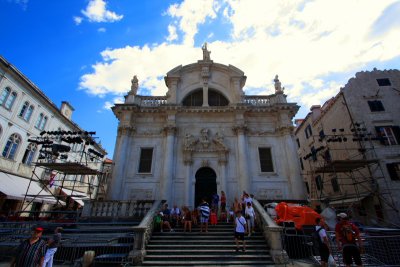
[256, 100]
[151, 101]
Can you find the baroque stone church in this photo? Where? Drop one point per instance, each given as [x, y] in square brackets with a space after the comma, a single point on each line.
[205, 136]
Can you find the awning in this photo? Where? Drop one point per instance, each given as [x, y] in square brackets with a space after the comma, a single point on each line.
[77, 196]
[346, 201]
[15, 187]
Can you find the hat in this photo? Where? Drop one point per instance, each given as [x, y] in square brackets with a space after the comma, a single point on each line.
[38, 229]
[342, 215]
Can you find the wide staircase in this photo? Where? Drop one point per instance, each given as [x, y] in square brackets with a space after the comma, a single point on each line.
[214, 248]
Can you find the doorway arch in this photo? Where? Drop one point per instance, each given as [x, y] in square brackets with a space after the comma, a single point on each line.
[206, 185]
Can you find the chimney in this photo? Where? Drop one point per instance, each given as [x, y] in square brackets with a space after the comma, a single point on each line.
[66, 109]
[316, 112]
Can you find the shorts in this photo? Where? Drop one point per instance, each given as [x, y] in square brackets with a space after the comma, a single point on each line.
[239, 236]
[324, 252]
[203, 219]
[351, 252]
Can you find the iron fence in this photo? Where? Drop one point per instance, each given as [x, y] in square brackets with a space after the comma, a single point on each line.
[379, 250]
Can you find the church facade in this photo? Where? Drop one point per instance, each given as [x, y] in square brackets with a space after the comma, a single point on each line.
[205, 136]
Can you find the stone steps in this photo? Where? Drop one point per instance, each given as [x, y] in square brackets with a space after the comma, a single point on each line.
[213, 248]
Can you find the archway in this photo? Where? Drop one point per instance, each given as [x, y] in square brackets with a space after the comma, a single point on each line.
[206, 185]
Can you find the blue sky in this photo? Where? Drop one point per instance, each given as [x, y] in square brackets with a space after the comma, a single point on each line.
[86, 51]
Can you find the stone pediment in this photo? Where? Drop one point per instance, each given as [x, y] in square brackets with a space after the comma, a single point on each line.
[205, 142]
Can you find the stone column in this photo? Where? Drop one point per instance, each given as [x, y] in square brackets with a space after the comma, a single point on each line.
[124, 136]
[188, 187]
[243, 169]
[205, 74]
[223, 185]
[166, 179]
[292, 165]
[205, 96]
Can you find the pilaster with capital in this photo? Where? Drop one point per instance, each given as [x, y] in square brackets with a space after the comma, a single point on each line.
[172, 84]
[124, 137]
[167, 183]
[244, 179]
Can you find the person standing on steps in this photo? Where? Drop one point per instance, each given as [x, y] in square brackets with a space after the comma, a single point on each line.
[240, 230]
[52, 246]
[31, 251]
[204, 215]
[250, 216]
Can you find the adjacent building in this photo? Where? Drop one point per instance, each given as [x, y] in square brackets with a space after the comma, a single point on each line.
[205, 136]
[37, 142]
[349, 149]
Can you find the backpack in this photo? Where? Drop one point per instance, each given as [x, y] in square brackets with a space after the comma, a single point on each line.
[348, 234]
[317, 242]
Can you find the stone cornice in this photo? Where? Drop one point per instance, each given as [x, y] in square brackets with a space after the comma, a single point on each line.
[126, 130]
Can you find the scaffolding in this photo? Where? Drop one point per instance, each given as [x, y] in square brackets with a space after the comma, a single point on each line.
[63, 155]
[346, 158]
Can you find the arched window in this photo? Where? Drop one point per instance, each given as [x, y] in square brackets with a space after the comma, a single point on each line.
[194, 99]
[41, 122]
[26, 111]
[7, 98]
[11, 146]
[216, 99]
[29, 154]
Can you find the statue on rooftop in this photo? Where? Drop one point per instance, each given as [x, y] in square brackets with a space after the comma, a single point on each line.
[135, 85]
[206, 53]
[278, 85]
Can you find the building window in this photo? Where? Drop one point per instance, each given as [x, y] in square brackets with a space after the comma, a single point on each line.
[216, 99]
[26, 111]
[313, 153]
[308, 131]
[146, 158]
[298, 142]
[194, 99]
[388, 135]
[41, 122]
[376, 105]
[307, 187]
[394, 171]
[335, 185]
[321, 135]
[7, 98]
[265, 159]
[383, 82]
[301, 164]
[29, 154]
[318, 182]
[11, 146]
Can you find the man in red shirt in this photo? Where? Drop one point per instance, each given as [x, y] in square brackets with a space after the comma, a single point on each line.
[347, 237]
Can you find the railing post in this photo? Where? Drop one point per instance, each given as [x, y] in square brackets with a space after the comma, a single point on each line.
[143, 233]
[272, 233]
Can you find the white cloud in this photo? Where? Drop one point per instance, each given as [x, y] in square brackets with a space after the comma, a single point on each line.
[190, 14]
[303, 41]
[172, 33]
[117, 100]
[102, 29]
[77, 20]
[96, 11]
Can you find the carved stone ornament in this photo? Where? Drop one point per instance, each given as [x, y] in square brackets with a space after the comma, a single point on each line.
[126, 130]
[203, 143]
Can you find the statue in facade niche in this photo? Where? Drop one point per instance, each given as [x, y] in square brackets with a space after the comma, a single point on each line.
[206, 53]
[189, 140]
[135, 85]
[204, 138]
[278, 85]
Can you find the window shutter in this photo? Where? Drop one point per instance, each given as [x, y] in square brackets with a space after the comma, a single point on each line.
[396, 132]
[391, 167]
[380, 135]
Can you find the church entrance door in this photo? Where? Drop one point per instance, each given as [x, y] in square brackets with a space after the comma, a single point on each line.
[206, 185]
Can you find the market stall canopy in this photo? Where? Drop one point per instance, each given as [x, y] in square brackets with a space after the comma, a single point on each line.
[16, 187]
